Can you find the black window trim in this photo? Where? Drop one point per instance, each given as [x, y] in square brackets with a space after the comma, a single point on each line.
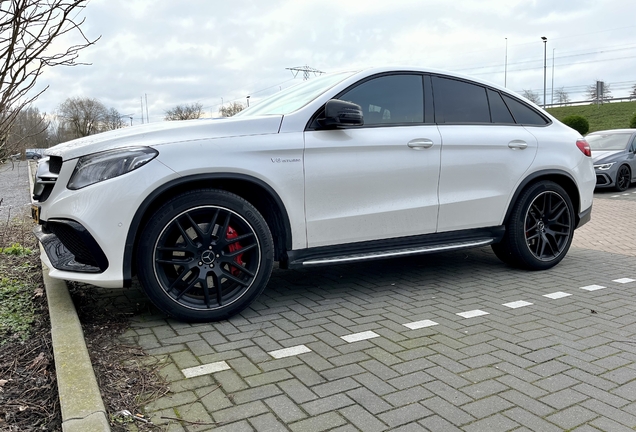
[485, 86]
[427, 81]
[313, 126]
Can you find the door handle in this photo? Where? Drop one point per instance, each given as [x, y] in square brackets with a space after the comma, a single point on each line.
[517, 144]
[420, 143]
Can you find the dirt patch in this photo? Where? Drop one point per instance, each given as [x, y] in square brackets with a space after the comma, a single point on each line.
[29, 400]
[28, 388]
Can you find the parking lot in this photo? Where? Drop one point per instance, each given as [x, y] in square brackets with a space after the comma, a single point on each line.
[444, 342]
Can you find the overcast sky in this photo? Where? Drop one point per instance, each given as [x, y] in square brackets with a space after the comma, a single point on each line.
[209, 51]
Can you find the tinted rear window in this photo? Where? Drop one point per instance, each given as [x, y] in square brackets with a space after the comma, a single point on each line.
[523, 114]
[460, 102]
[498, 109]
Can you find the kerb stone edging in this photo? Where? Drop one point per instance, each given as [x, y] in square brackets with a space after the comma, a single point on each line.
[80, 400]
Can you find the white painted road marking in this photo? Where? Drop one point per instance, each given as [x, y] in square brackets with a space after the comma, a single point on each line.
[288, 352]
[556, 295]
[355, 337]
[205, 369]
[420, 324]
[624, 280]
[517, 304]
[592, 287]
[472, 313]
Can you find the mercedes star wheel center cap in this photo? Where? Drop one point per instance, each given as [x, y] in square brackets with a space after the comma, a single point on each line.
[207, 257]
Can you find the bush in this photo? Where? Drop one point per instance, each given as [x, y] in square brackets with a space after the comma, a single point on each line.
[632, 122]
[578, 123]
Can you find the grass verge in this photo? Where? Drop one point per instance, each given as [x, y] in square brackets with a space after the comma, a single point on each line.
[601, 117]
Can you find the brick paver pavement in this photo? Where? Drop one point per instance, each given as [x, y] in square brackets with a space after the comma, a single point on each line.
[613, 215]
[550, 351]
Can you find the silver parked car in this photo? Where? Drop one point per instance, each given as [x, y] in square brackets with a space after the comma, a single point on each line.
[613, 155]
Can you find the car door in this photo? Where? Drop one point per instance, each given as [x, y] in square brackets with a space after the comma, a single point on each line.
[379, 180]
[484, 154]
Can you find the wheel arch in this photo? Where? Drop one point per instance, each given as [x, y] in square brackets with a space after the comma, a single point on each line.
[562, 178]
[255, 191]
[628, 166]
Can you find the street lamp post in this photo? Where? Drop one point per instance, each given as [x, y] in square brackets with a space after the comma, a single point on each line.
[129, 116]
[545, 47]
[552, 86]
[506, 65]
[248, 101]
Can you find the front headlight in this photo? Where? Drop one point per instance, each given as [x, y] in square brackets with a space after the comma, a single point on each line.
[604, 167]
[98, 167]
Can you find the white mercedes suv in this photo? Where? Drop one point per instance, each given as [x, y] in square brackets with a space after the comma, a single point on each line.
[344, 167]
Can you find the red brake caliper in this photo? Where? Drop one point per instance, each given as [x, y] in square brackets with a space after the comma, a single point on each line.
[233, 247]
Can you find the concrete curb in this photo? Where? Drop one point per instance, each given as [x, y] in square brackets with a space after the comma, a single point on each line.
[80, 400]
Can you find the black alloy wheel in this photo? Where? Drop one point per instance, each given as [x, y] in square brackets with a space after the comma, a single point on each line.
[623, 178]
[548, 226]
[206, 256]
[540, 229]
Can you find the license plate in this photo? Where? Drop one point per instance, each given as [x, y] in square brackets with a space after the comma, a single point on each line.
[35, 213]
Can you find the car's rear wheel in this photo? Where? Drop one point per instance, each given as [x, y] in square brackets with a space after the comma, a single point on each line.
[205, 255]
[540, 228]
[623, 178]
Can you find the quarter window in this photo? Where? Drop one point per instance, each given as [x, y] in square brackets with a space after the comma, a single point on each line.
[389, 100]
[523, 114]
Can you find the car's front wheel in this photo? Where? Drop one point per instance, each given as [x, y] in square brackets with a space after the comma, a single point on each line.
[540, 228]
[205, 255]
[623, 178]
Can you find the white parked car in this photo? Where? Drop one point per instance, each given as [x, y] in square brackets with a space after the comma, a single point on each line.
[344, 167]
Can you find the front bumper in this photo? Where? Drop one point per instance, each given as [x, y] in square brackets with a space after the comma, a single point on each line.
[606, 178]
[84, 231]
[70, 247]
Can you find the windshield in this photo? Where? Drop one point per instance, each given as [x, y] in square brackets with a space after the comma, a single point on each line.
[614, 141]
[296, 97]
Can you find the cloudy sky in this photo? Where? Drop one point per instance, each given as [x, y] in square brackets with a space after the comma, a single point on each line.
[211, 51]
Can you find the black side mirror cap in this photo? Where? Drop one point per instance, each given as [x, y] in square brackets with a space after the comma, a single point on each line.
[340, 113]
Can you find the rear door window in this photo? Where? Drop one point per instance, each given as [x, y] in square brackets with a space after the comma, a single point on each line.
[460, 102]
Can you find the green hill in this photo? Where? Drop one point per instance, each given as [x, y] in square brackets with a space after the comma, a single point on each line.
[601, 117]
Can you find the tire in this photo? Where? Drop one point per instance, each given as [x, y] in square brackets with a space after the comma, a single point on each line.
[540, 228]
[623, 178]
[190, 270]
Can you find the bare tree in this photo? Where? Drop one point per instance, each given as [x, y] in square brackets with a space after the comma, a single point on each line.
[82, 116]
[562, 96]
[592, 92]
[632, 94]
[29, 130]
[28, 29]
[112, 120]
[185, 112]
[531, 96]
[57, 131]
[231, 109]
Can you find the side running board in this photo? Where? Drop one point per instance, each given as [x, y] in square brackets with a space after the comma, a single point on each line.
[395, 253]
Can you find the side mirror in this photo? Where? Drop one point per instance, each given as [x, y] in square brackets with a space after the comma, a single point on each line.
[341, 113]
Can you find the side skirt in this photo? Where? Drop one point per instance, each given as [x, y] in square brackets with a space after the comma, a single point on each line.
[390, 248]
